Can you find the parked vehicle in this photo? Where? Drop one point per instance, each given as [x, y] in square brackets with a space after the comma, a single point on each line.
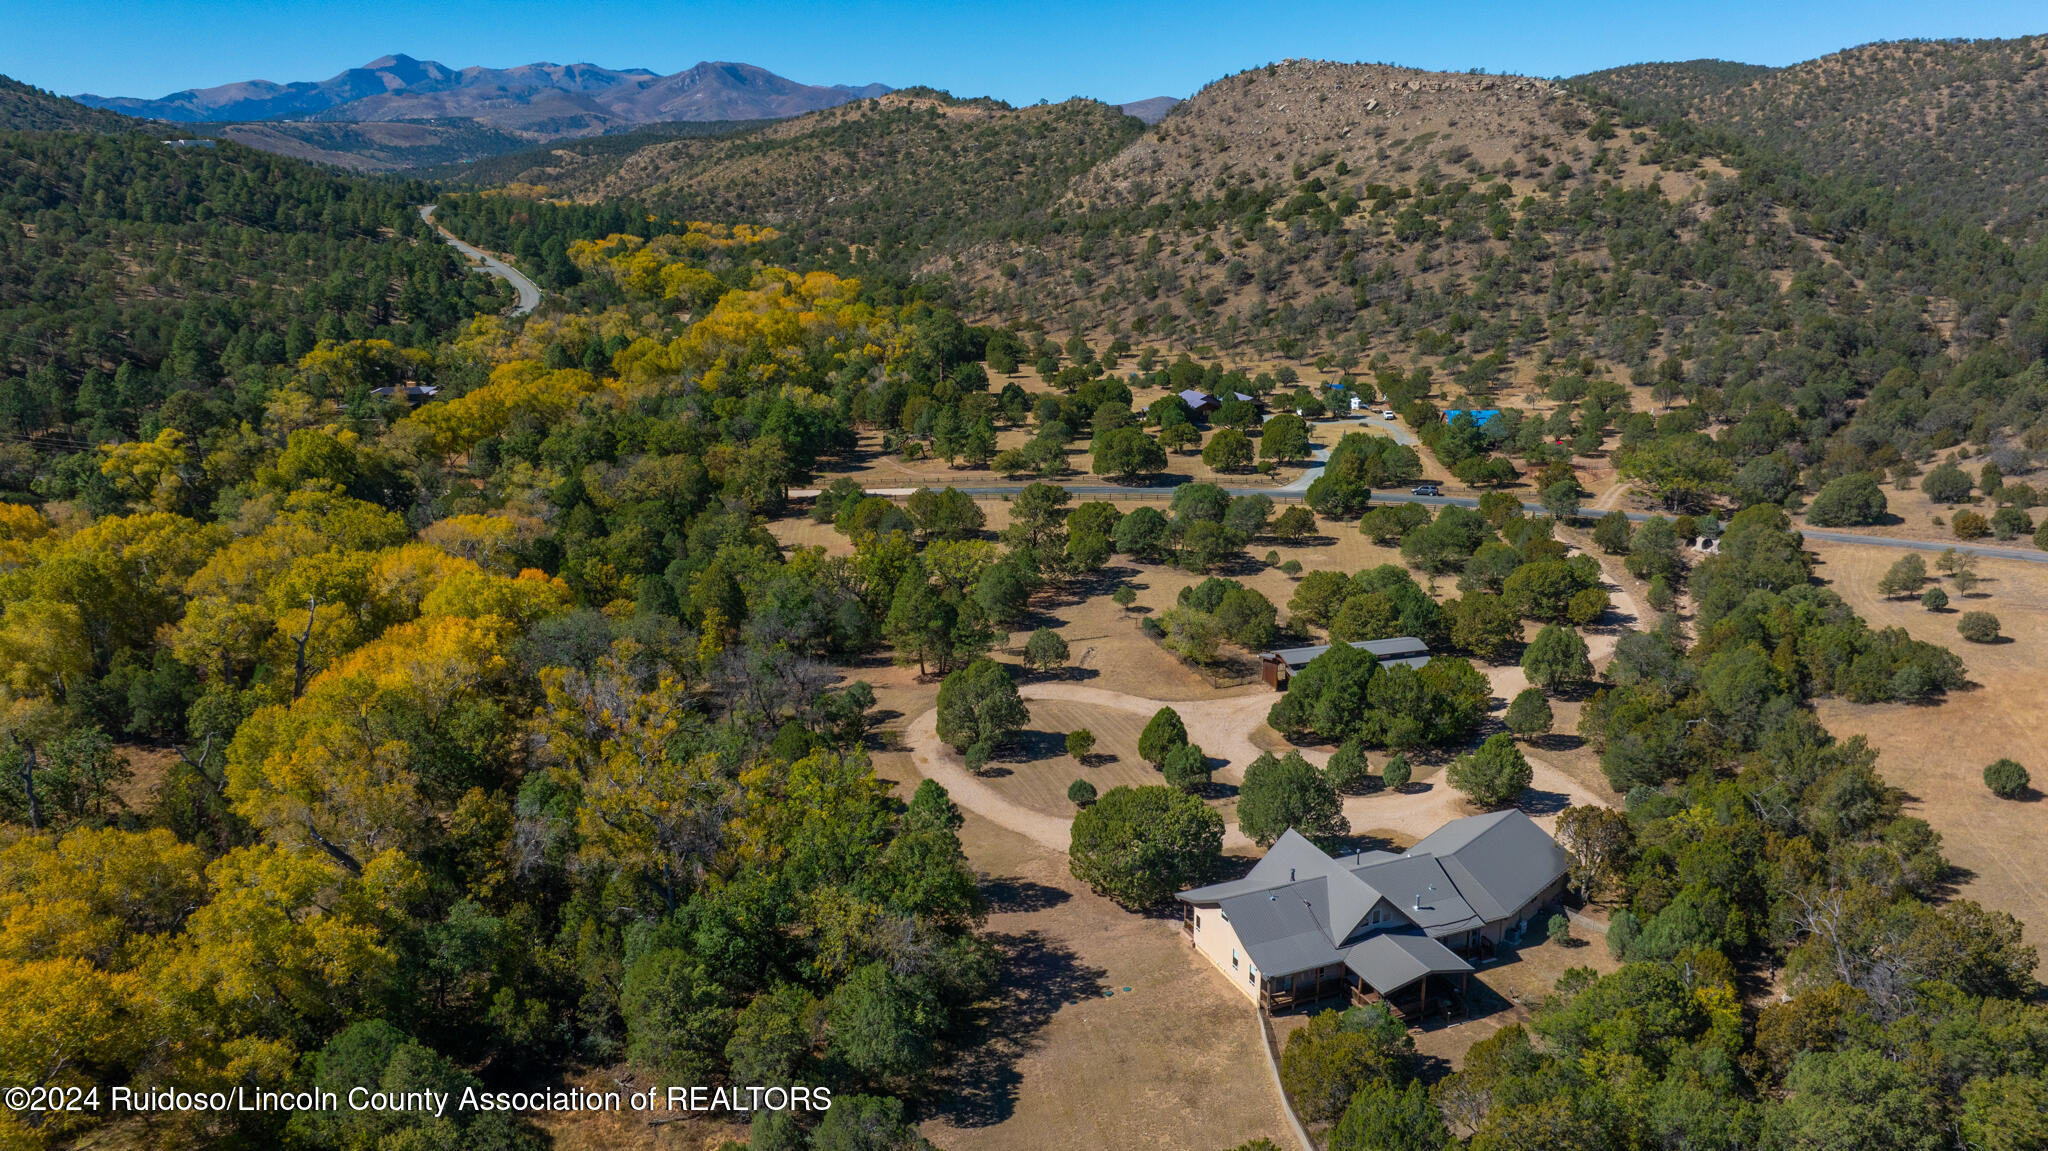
[1387, 415]
[1425, 490]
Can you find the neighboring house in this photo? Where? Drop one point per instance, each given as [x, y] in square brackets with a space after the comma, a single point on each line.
[1202, 403]
[1374, 927]
[410, 393]
[1277, 667]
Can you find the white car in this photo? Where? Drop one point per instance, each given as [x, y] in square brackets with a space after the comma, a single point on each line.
[1386, 415]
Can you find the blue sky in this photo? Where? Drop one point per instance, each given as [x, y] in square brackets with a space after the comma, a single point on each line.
[1019, 52]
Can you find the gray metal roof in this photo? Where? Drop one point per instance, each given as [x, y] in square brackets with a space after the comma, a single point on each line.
[1392, 960]
[1418, 888]
[1298, 907]
[1284, 930]
[1402, 649]
[1294, 872]
[1291, 859]
[1499, 861]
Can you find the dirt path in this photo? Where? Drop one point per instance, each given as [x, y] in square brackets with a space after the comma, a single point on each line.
[1222, 728]
[935, 761]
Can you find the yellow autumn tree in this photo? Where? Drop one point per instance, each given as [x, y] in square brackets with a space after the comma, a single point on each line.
[762, 332]
[228, 616]
[524, 389]
[403, 577]
[653, 820]
[60, 1019]
[20, 526]
[97, 894]
[125, 574]
[338, 770]
[43, 649]
[284, 936]
[150, 471]
[334, 368]
[531, 595]
[489, 541]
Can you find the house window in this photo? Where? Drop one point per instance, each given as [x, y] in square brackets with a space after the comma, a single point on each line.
[1198, 921]
[1233, 957]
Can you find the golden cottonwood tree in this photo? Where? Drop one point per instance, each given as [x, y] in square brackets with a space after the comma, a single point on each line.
[339, 770]
[284, 936]
[125, 574]
[522, 389]
[97, 894]
[653, 820]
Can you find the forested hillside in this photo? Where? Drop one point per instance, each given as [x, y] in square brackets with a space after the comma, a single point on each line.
[1495, 235]
[144, 285]
[27, 109]
[903, 178]
[1950, 128]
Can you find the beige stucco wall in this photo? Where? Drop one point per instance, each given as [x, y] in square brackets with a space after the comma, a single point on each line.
[1215, 938]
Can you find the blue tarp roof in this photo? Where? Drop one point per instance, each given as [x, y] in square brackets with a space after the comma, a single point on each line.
[1480, 416]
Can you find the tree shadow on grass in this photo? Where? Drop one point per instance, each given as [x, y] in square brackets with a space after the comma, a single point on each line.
[1030, 745]
[979, 1086]
[1011, 894]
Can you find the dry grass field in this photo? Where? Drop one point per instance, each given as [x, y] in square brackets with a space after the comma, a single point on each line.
[1914, 516]
[1070, 1059]
[1937, 753]
[1036, 770]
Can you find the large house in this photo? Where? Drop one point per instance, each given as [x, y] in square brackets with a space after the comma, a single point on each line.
[1375, 926]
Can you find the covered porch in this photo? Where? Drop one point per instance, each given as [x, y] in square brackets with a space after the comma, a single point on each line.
[1413, 975]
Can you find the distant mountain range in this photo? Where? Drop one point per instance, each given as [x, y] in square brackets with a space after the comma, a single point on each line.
[1150, 111]
[535, 100]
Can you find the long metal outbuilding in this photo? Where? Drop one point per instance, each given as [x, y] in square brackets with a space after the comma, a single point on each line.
[1276, 667]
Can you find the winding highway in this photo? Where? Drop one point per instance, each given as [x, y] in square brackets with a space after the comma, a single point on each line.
[529, 292]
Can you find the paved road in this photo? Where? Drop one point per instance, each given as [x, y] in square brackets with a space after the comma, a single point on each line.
[529, 292]
[1336, 430]
[1300, 485]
